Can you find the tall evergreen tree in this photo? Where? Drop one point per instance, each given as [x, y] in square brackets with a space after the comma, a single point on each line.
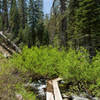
[87, 27]
[0, 15]
[5, 15]
[0, 7]
[35, 18]
[32, 20]
[39, 5]
[22, 5]
[40, 24]
[14, 19]
[72, 7]
[63, 34]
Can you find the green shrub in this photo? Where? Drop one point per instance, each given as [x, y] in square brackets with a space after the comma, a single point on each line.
[48, 61]
[96, 68]
[73, 66]
[1, 56]
[44, 61]
[27, 95]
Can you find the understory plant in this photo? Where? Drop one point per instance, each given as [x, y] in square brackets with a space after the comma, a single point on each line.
[72, 65]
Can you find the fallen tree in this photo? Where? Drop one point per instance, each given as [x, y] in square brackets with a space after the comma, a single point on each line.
[9, 45]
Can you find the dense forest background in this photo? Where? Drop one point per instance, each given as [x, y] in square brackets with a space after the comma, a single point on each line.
[71, 23]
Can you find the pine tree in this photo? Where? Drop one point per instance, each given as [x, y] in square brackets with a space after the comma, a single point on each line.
[63, 33]
[1, 15]
[87, 27]
[39, 5]
[35, 17]
[5, 15]
[22, 5]
[32, 20]
[14, 19]
[0, 7]
[72, 7]
[40, 24]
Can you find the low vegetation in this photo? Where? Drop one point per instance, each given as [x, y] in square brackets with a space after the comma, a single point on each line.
[74, 67]
[79, 73]
[12, 82]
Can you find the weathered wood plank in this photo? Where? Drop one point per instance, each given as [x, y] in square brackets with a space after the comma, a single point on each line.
[49, 96]
[56, 89]
[53, 91]
[49, 91]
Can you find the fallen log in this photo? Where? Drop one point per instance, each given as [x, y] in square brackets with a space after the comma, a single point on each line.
[4, 51]
[10, 43]
[7, 48]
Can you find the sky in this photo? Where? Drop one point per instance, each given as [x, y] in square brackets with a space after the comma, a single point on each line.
[47, 6]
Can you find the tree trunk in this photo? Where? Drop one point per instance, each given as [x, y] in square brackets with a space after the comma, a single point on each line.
[5, 15]
[63, 34]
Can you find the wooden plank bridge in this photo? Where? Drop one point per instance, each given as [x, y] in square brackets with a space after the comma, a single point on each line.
[53, 91]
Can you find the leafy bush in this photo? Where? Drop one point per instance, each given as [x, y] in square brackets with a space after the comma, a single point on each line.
[27, 95]
[50, 62]
[45, 61]
[73, 66]
[76, 65]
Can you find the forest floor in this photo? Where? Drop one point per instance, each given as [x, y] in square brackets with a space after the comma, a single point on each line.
[12, 82]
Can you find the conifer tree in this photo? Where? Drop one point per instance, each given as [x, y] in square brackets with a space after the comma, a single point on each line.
[0, 15]
[35, 17]
[63, 33]
[87, 27]
[5, 15]
[14, 19]
[72, 7]
[40, 24]
[39, 5]
[32, 20]
[0, 7]
[22, 5]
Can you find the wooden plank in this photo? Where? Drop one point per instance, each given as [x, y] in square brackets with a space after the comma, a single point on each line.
[56, 89]
[49, 96]
[49, 91]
